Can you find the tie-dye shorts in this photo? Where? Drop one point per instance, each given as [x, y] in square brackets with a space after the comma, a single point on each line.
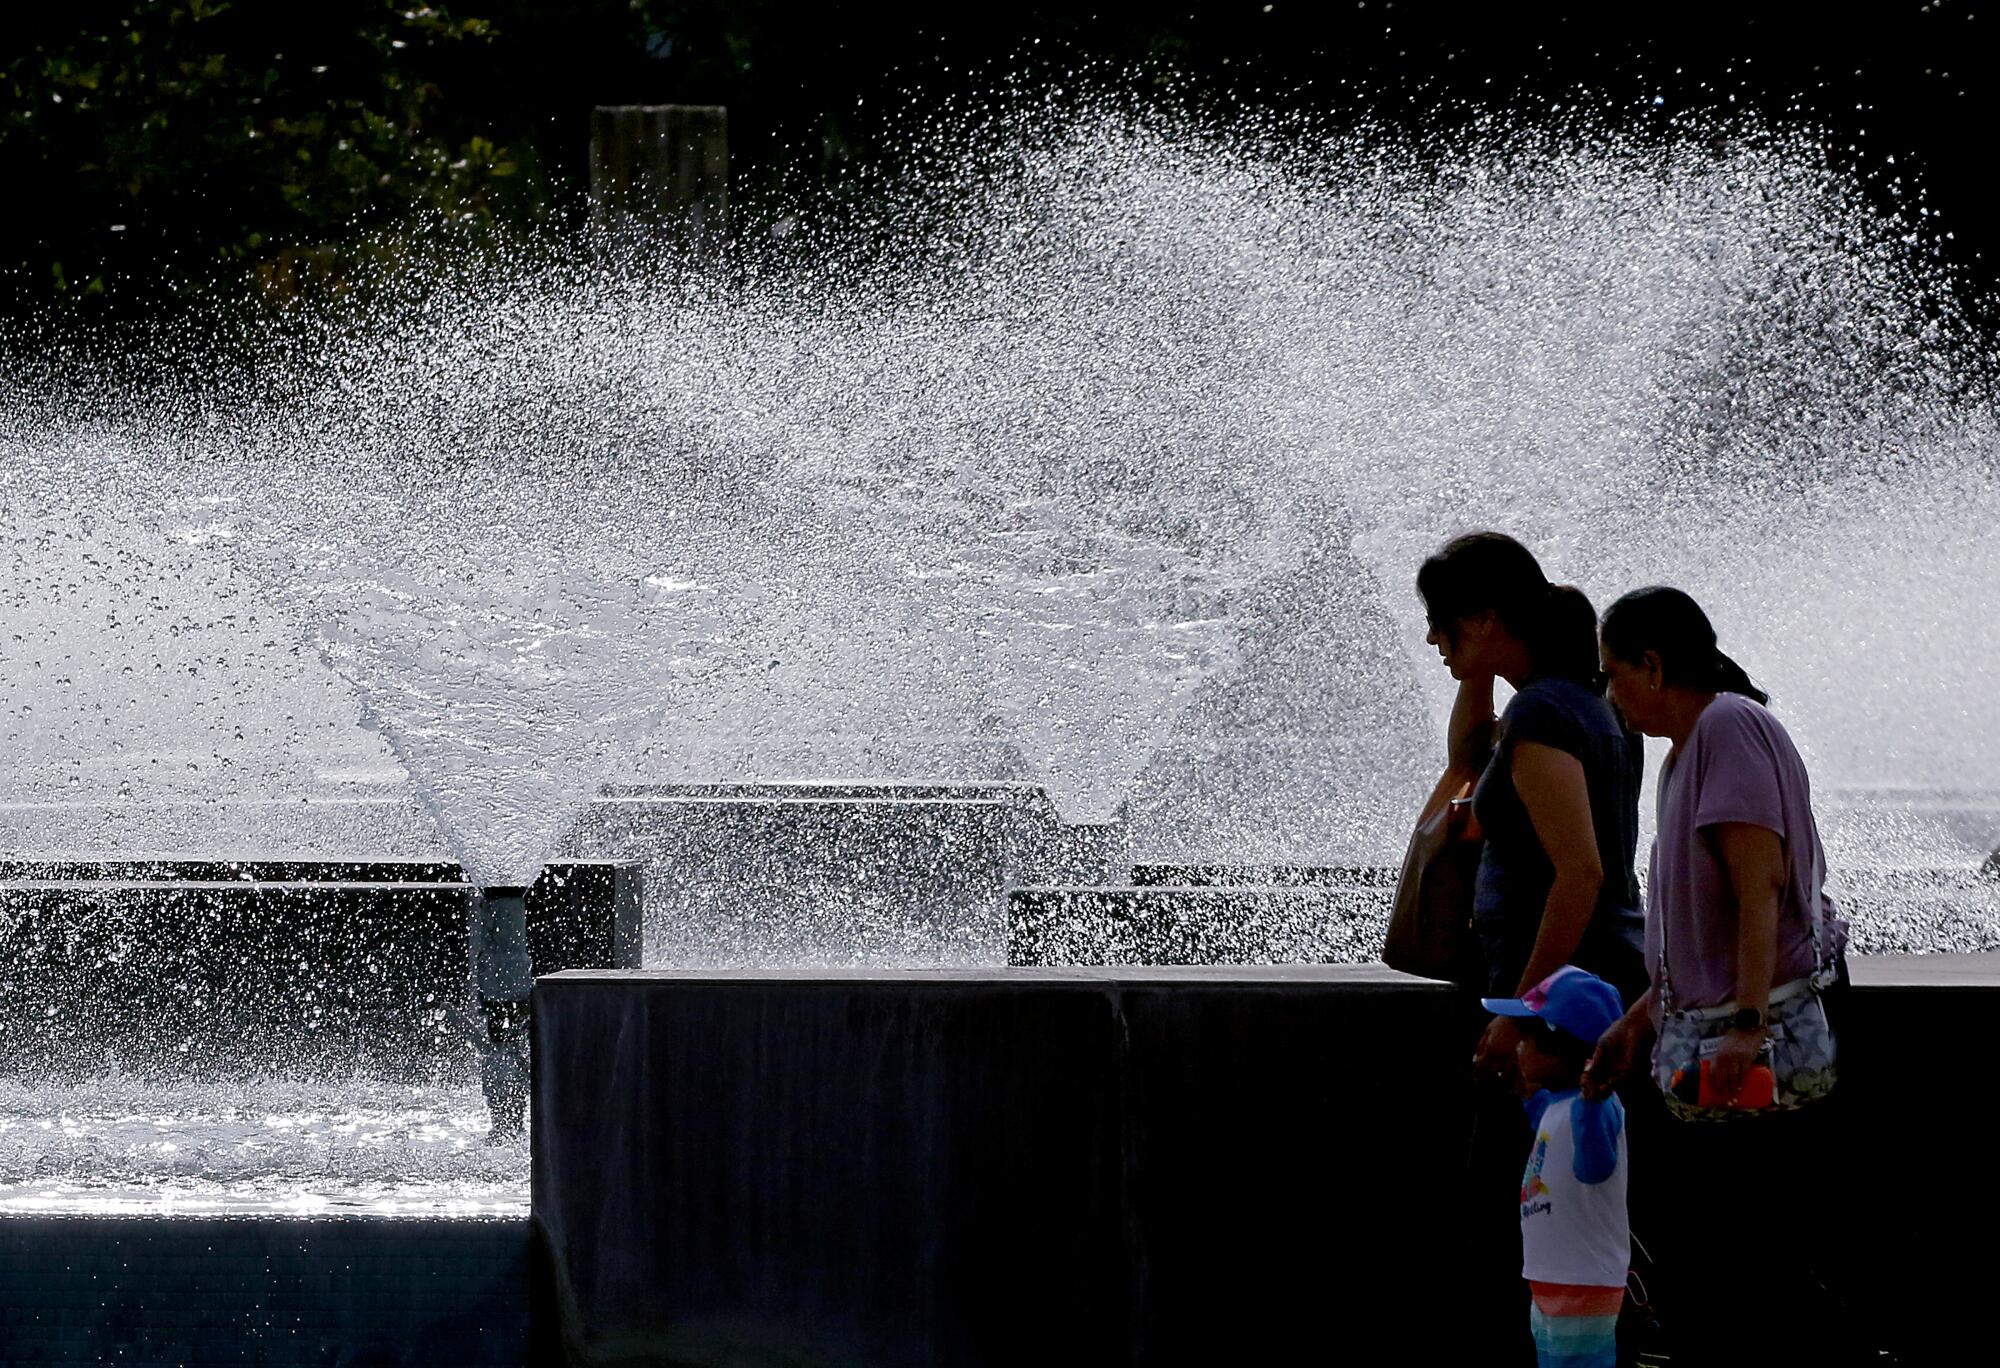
[1575, 1327]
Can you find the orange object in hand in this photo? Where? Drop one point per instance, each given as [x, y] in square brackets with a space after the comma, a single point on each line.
[1759, 1088]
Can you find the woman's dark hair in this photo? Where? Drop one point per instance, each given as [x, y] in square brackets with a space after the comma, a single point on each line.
[1483, 570]
[1672, 624]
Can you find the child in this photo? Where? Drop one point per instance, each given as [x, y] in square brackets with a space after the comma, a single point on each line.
[1576, 1242]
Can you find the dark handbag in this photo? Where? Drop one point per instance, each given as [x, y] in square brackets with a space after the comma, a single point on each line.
[1430, 926]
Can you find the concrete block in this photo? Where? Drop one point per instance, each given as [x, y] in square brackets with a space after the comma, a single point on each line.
[587, 914]
[1109, 1167]
[840, 872]
[1113, 1166]
[831, 878]
[193, 965]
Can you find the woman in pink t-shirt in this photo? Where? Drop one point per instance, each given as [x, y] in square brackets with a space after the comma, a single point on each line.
[1736, 920]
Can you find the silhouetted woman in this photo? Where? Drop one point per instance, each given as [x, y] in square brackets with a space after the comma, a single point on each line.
[1558, 801]
[1558, 798]
[1737, 926]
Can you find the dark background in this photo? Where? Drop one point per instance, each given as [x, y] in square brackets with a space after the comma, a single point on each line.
[170, 150]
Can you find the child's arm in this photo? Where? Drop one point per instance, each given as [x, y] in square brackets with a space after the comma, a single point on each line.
[1594, 1128]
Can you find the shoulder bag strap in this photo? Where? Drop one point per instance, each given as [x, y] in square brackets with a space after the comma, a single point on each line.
[1824, 970]
[1659, 825]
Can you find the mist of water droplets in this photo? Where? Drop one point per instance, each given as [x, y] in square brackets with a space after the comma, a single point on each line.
[1114, 475]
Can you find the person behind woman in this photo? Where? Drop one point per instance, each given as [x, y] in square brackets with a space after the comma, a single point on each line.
[1733, 896]
[1558, 802]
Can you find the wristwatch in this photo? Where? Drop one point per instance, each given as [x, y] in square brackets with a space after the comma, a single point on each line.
[1747, 1019]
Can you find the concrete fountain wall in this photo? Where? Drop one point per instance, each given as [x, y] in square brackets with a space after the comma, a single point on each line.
[196, 966]
[1158, 1166]
[840, 873]
[950, 1168]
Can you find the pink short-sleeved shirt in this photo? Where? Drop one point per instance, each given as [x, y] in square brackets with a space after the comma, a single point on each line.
[1738, 765]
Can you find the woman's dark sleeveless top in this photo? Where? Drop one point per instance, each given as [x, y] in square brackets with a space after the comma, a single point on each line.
[1515, 873]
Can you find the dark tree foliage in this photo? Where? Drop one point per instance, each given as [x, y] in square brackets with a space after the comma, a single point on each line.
[159, 150]
[169, 144]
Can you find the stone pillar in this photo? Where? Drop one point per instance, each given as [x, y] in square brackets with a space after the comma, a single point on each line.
[662, 167]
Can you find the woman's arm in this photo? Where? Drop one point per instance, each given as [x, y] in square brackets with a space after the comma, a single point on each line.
[1557, 797]
[1621, 1050]
[1553, 790]
[1755, 859]
[1469, 738]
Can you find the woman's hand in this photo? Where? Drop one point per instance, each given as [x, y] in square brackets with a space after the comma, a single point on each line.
[1469, 738]
[1619, 1053]
[1731, 1062]
[1495, 1056]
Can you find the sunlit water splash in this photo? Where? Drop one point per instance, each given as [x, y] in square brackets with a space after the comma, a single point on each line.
[1114, 478]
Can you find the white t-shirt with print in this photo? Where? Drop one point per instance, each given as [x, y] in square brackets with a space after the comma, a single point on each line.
[1572, 1230]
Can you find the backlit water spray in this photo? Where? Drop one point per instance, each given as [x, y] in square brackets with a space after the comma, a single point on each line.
[1112, 476]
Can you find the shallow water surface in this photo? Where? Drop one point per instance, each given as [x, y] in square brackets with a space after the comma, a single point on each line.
[116, 1145]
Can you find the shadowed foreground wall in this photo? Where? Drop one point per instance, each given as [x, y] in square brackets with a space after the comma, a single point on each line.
[278, 1291]
[934, 1168]
[1113, 1166]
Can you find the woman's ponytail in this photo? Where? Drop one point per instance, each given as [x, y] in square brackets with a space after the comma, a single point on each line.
[1672, 625]
[1564, 644]
[1730, 677]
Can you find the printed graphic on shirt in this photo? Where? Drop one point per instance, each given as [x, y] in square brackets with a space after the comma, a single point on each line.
[1532, 1185]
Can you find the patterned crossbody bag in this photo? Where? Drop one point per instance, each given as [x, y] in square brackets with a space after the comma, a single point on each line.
[1799, 1049]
